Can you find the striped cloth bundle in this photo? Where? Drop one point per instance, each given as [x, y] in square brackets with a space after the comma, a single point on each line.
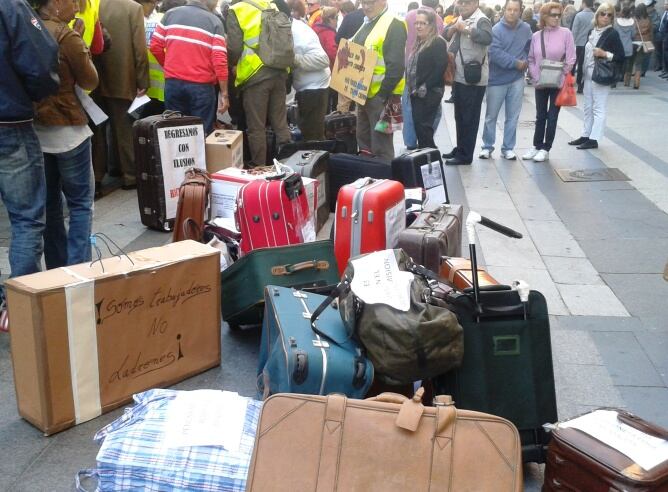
[133, 454]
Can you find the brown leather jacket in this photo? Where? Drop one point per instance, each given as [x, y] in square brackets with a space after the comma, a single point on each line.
[76, 67]
[644, 27]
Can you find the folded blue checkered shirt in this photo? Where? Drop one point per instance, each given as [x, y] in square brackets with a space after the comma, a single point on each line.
[133, 455]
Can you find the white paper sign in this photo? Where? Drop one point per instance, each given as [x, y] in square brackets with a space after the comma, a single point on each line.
[433, 184]
[645, 450]
[181, 147]
[206, 418]
[378, 280]
[138, 103]
[94, 111]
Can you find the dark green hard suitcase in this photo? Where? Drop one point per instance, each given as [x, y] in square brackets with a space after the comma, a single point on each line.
[507, 368]
[309, 266]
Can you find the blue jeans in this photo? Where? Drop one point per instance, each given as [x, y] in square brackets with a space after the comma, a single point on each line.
[70, 174]
[192, 99]
[510, 94]
[410, 137]
[23, 192]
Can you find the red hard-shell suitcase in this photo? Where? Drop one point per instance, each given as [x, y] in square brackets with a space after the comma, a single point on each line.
[273, 212]
[578, 462]
[370, 215]
[166, 145]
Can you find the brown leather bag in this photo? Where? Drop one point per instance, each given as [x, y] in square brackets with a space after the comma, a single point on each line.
[388, 443]
[193, 202]
[449, 74]
[459, 273]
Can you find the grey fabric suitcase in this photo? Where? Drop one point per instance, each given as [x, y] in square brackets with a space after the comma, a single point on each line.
[314, 164]
[434, 234]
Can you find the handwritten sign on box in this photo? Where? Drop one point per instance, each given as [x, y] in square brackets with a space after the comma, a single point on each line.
[353, 69]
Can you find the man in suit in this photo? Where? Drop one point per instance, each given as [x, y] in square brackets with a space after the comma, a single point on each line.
[123, 72]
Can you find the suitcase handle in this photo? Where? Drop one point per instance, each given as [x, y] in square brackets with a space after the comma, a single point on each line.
[168, 115]
[638, 423]
[289, 269]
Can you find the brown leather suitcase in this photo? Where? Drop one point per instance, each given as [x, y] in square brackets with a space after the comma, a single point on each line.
[458, 273]
[434, 234]
[193, 202]
[578, 462]
[389, 443]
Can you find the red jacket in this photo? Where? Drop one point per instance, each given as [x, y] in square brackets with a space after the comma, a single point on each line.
[189, 44]
[327, 37]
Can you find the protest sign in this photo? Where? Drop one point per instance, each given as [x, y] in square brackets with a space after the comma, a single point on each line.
[353, 69]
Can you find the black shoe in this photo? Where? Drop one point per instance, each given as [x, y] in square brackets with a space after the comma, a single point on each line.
[578, 141]
[132, 186]
[580, 89]
[450, 154]
[589, 144]
[450, 100]
[456, 161]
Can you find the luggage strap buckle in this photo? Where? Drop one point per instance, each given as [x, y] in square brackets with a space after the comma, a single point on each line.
[291, 268]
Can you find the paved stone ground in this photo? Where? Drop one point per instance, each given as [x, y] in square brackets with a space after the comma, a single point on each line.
[596, 250]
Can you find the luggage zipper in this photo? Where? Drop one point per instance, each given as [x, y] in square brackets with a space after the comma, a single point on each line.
[318, 342]
[357, 209]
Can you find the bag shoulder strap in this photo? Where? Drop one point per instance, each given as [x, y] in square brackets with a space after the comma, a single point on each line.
[542, 43]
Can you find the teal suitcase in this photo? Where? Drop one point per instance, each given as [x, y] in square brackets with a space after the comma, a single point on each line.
[310, 266]
[296, 357]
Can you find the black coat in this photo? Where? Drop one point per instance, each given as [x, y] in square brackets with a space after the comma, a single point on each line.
[610, 42]
[431, 64]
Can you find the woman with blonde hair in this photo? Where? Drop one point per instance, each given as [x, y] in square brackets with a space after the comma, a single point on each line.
[550, 46]
[603, 48]
[424, 76]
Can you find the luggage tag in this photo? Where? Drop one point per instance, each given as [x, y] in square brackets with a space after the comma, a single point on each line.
[411, 412]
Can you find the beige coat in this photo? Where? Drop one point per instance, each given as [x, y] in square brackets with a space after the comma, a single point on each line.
[124, 68]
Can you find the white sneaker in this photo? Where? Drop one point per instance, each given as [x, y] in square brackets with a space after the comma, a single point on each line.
[541, 156]
[485, 154]
[530, 154]
[509, 155]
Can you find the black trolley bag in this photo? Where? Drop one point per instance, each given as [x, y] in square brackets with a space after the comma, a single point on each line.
[347, 168]
[507, 368]
[343, 127]
[154, 209]
[314, 164]
[332, 146]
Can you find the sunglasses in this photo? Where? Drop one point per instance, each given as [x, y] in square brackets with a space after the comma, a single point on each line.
[606, 14]
[420, 23]
[554, 15]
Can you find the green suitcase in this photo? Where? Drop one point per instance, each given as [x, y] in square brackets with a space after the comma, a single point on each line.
[308, 266]
[507, 368]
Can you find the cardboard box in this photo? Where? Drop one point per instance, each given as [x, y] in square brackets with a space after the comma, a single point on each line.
[225, 185]
[224, 148]
[84, 340]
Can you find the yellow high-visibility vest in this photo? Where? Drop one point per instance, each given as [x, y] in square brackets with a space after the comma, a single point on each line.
[90, 15]
[156, 74]
[250, 19]
[374, 41]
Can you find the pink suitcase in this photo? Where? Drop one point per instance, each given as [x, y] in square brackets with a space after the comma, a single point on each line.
[370, 214]
[273, 212]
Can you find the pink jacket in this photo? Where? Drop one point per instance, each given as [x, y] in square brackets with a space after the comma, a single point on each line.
[559, 45]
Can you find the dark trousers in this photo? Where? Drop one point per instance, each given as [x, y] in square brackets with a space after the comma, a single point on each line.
[192, 99]
[547, 113]
[665, 52]
[580, 56]
[424, 113]
[312, 105]
[468, 101]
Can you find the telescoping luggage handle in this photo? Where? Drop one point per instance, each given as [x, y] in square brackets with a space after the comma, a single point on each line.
[472, 219]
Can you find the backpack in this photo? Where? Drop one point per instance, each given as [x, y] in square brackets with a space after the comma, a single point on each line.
[276, 48]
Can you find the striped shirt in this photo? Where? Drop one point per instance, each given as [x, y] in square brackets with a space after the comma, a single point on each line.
[189, 43]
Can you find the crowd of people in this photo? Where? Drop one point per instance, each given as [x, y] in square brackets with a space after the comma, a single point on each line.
[206, 58]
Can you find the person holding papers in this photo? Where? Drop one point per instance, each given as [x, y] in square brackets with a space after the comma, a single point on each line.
[62, 129]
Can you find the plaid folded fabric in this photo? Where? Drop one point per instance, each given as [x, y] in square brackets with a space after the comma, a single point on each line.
[133, 455]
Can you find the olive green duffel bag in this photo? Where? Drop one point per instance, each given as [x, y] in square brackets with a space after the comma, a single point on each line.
[408, 332]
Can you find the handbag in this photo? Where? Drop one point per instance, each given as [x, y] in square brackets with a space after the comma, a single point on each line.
[449, 74]
[550, 71]
[605, 71]
[192, 205]
[472, 69]
[392, 308]
[566, 96]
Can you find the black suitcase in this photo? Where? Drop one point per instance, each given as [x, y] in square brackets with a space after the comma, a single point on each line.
[346, 168]
[162, 159]
[292, 110]
[314, 164]
[507, 367]
[331, 146]
[423, 168]
[342, 126]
